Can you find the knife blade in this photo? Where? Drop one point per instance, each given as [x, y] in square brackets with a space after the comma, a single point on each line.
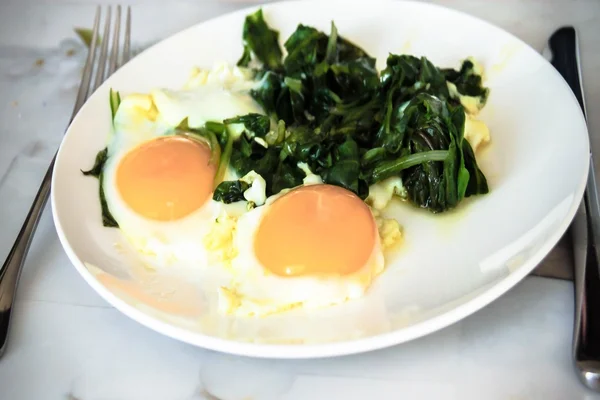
[584, 231]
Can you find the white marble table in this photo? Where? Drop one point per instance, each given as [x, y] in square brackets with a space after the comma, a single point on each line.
[67, 342]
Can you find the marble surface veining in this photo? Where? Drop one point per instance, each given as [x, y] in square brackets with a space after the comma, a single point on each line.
[68, 343]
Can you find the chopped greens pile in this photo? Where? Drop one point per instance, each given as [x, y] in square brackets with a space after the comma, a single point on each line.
[329, 109]
[351, 124]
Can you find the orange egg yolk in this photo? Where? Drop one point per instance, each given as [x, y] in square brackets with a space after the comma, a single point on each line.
[316, 230]
[166, 178]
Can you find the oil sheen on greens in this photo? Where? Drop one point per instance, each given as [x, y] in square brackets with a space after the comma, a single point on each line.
[329, 107]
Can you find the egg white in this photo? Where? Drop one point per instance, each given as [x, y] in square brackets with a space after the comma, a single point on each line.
[209, 95]
[254, 291]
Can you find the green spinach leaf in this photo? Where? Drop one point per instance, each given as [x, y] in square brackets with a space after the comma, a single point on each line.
[260, 42]
[256, 125]
[230, 191]
[467, 81]
[107, 219]
[97, 172]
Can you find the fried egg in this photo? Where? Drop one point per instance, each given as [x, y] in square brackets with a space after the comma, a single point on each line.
[159, 191]
[157, 184]
[314, 246]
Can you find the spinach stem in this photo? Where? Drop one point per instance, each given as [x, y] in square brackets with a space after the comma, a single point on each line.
[390, 168]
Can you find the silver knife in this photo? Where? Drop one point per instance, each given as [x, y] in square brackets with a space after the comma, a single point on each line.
[585, 230]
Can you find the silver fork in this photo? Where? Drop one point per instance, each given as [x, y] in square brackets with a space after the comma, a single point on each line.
[11, 269]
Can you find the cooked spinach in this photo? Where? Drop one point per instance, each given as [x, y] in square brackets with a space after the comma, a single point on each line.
[319, 72]
[351, 124]
[429, 125]
[256, 125]
[335, 157]
[107, 218]
[467, 81]
[327, 106]
[115, 101]
[96, 171]
[230, 191]
[260, 43]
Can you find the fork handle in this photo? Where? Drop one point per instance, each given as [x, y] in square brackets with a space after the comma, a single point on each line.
[11, 270]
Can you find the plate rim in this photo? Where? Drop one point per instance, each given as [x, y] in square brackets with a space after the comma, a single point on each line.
[345, 347]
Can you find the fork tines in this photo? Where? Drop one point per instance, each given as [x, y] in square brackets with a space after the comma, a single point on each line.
[117, 58]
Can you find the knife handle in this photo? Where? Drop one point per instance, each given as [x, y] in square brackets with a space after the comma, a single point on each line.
[586, 333]
[584, 231]
[565, 58]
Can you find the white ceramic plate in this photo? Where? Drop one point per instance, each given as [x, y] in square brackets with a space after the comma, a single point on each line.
[450, 266]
